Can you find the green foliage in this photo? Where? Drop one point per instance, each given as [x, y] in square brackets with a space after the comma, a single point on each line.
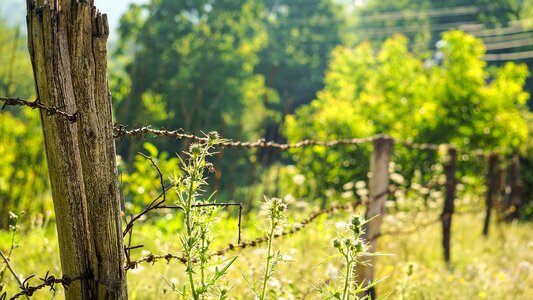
[301, 35]
[192, 66]
[352, 249]
[276, 211]
[24, 181]
[394, 92]
[200, 214]
[142, 184]
[16, 77]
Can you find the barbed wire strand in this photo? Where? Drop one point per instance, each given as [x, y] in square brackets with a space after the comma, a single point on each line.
[422, 225]
[151, 258]
[48, 281]
[10, 268]
[50, 110]
[121, 132]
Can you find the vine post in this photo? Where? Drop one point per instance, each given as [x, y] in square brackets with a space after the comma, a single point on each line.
[450, 166]
[493, 189]
[375, 208]
[513, 190]
[67, 44]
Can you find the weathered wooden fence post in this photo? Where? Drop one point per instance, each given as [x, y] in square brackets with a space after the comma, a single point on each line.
[449, 198]
[67, 44]
[493, 189]
[513, 190]
[375, 209]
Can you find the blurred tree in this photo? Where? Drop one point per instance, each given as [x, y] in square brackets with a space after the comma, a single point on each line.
[301, 35]
[192, 67]
[393, 92]
[24, 184]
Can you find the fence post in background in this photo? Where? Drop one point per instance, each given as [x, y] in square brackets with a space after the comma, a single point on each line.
[67, 45]
[492, 183]
[375, 208]
[450, 166]
[513, 190]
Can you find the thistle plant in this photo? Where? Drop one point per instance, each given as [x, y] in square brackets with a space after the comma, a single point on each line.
[276, 219]
[199, 214]
[351, 248]
[14, 228]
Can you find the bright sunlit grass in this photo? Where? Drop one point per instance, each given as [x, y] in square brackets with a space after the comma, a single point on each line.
[499, 267]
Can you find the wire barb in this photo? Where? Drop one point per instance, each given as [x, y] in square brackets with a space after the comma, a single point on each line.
[151, 258]
[47, 281]
[50, 110]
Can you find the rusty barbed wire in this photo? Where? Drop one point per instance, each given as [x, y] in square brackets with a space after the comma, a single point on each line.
[159, 203]
[48, 281]
[50, 110]
[418, 146]
[422, 225]
[246, 244]
[121, 132]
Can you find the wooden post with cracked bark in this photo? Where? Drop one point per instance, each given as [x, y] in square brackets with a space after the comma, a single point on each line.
[67, 44]
[375, 208]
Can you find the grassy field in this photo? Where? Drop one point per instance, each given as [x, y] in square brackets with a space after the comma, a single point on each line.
[498, 267]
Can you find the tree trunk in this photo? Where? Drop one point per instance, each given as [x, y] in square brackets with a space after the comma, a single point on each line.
[67, 44]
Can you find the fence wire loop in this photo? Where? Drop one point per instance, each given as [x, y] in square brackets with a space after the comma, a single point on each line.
[47, 281]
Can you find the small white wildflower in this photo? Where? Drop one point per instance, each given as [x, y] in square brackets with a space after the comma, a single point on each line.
[275, 283]
[289, 198]
[360, 184]
[291, 169]
[298, 179]
[416, 186]
[525, 266]
[397, 178]
[348, 185]
[140, 189]
[341, 225]
[435, 194]
[347, 194]
[332, 272]
[362, 192]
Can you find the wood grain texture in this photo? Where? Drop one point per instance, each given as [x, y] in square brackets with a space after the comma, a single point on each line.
[375, 209]
[67, 44]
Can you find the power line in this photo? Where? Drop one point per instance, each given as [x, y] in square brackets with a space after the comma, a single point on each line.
[507, 38]
[508, 56]
[521, 26]
[414, 28]
[436, 12]
[509, 44]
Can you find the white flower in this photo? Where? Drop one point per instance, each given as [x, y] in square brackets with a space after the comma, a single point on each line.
[397, 178]
[298, 179]
[360, 184]
[140, 189]
[348, 185]
[332, 272]
[347, 194]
